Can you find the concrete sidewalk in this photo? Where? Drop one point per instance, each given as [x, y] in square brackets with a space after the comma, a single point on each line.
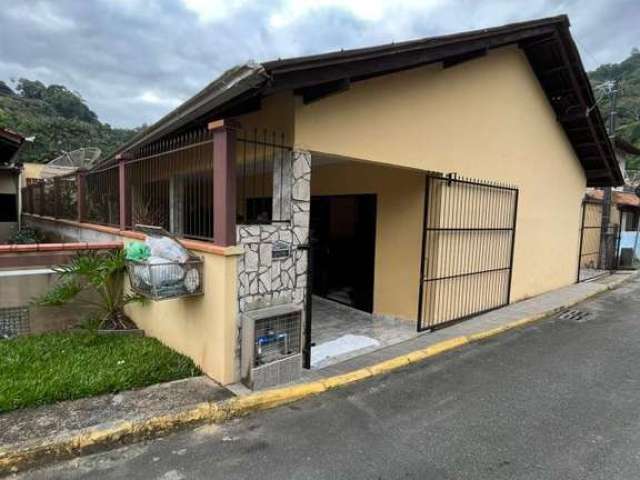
[56, 431]
[533, 308]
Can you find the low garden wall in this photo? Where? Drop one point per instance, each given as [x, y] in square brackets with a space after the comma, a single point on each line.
[204, 328]
[26, 274]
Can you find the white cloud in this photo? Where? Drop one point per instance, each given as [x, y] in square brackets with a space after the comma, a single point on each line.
[42, 16]
[367, 10]
[213, 10]
[153, 98]
[133, 60]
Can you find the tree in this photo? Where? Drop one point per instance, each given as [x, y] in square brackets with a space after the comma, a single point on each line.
[69, 104]
[33, 89]
[5, 89]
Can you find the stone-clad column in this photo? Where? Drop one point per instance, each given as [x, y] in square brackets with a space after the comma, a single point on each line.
[301, 195]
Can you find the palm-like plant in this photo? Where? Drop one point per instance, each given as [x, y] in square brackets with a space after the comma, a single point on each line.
[104, 274]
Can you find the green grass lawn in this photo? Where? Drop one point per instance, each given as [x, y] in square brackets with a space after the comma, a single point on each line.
[40, 369]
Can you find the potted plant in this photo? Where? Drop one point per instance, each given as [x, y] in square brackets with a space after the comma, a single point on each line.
[99, 277]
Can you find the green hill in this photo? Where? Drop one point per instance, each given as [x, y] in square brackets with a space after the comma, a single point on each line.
[58, 118]
[627, 73]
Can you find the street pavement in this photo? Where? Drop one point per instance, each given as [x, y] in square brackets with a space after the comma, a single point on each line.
[559, 399]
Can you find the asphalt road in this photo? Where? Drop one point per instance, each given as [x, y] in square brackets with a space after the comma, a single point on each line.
[556, 400]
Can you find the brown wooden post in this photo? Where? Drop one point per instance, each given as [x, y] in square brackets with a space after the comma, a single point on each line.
[30, 193]
[224, 182]
[81, 189]
[123, 192]
[56, 197]
[43, 201]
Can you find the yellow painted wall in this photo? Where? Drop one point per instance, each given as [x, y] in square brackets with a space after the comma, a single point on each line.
[7, 182]
[488, 119]
[203, 328]
[400, 197]
[276, 115]
[31, 170]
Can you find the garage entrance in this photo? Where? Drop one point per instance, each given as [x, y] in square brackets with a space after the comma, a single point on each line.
[365, 230]
[467, 249]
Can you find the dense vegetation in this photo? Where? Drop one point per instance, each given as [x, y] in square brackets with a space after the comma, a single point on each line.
[627, 73]
[58, 118]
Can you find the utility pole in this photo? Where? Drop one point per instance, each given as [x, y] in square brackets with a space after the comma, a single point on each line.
[606, 254]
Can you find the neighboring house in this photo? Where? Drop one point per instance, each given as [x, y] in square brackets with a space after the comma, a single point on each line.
[10, 169]
[625, 215]
[439, 178]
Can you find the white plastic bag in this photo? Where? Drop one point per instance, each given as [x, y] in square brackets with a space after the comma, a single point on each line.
[167, 248]
[159, 272]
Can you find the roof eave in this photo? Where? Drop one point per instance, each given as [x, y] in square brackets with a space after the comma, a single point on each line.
[230, 85]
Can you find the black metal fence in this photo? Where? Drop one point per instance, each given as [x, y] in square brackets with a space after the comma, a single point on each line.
[55, 197]
[101, 197]
[170, 184]
[468, 245]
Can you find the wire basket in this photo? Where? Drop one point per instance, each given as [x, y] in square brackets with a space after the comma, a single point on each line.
[166, 279]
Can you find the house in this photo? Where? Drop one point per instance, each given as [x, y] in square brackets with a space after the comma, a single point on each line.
[623, 220]
[624, 217]
[10, 169]
[437, 178]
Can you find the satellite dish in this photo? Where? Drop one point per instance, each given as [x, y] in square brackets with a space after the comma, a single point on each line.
[80, 158]
[69, 162]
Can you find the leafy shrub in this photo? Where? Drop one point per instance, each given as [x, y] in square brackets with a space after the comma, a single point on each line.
[26, 235]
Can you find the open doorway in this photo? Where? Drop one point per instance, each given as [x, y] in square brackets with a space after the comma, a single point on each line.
[366, 232]
[343, 228]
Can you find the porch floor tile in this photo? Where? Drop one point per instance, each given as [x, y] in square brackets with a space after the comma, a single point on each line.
[333, 322]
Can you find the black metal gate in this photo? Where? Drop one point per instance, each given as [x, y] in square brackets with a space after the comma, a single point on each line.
[467, 249]
[590, 242]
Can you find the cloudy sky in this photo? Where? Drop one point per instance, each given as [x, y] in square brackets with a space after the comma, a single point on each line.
[134, 60]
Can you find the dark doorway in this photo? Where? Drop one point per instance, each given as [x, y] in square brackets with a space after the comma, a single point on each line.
[343, 229]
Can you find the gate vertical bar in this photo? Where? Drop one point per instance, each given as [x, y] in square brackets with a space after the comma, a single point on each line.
[423, 254]
[513, 244]
[584, 211]
[308, 313]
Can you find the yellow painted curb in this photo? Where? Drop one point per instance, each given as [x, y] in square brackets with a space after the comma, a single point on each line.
[237, 406]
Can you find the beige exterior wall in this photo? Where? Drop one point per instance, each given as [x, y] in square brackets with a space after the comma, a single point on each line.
[31, 170]
[400, 198]
[488, 119]
[276, 115]
[203, 328]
